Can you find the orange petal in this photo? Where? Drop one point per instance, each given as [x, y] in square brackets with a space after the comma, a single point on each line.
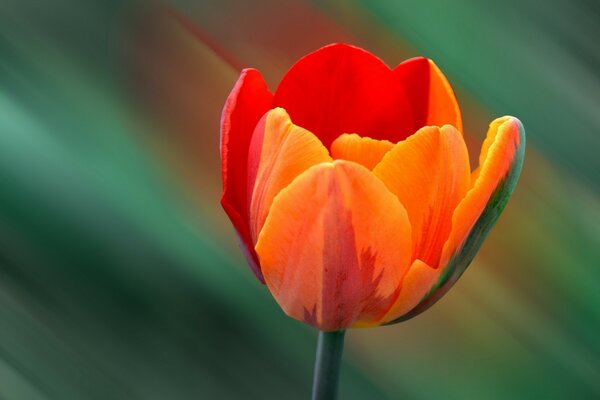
[363, 150]
[419, 279]
[335, 247]
[501, 150]
[432, 98]
[285, 151]
[430, 174]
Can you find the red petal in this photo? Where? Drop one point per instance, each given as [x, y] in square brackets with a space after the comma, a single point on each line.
[246, 104]
[343, 89]
[431, 97]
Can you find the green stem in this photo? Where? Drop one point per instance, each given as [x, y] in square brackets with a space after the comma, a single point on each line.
[327, 365]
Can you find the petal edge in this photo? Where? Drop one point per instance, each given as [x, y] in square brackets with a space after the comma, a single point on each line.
[245, 105]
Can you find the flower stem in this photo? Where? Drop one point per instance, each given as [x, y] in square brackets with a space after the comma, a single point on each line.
[327, 365]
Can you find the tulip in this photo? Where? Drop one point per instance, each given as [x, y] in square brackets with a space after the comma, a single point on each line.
[351, 189]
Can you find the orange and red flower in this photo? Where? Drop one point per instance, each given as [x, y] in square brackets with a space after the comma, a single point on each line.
[350, 186]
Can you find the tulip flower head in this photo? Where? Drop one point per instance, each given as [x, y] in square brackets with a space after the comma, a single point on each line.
[350, 187]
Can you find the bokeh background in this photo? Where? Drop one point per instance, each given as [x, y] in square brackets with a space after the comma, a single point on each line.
[120, 276]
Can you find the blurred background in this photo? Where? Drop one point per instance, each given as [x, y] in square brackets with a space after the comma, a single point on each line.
[120, 275]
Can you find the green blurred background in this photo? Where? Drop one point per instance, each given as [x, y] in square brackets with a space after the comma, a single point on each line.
[120, 276]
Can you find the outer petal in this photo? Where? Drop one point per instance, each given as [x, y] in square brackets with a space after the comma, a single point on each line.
[341, 88]
[430, 174]
[503, 152]
[325, 249]
[280, 152]
[248, 101]
[362, 150]
[432, 98]
[501, 162]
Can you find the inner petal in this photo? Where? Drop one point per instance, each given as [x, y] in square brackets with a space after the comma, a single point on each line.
[419, 279]
[362, 150]
[280, 151]
[430, 174]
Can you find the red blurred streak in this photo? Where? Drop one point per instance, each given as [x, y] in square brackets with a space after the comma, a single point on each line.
[180, 83]
[184, 85]
[204, 37]
[266, 34]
